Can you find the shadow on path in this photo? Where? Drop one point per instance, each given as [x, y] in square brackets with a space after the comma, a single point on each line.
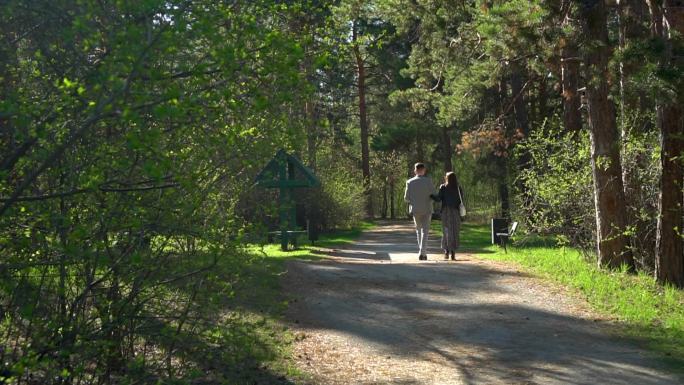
[478, 322]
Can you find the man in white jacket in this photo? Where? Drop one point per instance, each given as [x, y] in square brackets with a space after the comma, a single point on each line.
[419, 190]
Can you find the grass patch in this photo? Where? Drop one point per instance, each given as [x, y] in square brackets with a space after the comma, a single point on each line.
[344, 236]
[646, 311]
[258, 297]
[306, 250]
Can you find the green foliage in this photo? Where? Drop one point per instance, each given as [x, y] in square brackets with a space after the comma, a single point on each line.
[559, 197]
[340, 201]
[131, 132]
[558, 184]
[477, 177]
[307, 251]
[641, 165]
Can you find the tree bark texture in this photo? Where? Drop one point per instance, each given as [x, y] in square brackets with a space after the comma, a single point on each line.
[542, 101]
[570, 78]
[606, 167]
[669, 262]
[570, 73]
[522, 123]
[669, 243]
[310, 113]
[520, 101]
[502, 162]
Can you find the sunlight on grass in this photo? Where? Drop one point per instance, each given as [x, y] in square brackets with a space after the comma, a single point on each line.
[647, 310]
[258, 302]
[305, 249]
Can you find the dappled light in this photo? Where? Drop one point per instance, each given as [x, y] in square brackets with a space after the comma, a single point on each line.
[463, 322]
[315, 192]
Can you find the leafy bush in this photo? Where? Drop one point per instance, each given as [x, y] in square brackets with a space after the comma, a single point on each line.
[641, 170]
[340, 201]
[558, 194]
[558, 186]
[130, 131]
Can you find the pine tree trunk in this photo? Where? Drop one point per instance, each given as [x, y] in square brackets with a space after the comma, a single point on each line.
[522, 122]
[520, 102]
[570, 74]
[570, 67]
[542, 102]
[309, 113]
[609, 195]
[363, 124]
[631, 15]
[522, 127]
[669, 246]
[502, 162]
[669, 242]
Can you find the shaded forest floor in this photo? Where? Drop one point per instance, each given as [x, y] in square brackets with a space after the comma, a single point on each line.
[369, 312]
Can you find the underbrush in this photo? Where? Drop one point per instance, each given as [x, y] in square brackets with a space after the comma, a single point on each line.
[209, 316]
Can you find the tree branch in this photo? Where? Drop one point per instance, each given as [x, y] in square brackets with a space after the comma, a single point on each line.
[103, 188]
[47, 196]
[133, 189]
[87, 124]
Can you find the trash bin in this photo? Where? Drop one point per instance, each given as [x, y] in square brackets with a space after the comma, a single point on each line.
[499, 225]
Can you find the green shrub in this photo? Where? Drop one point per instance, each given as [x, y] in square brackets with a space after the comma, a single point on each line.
[558, 187]
[340, 200]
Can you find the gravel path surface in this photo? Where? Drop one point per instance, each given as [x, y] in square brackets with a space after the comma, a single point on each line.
[371, 313]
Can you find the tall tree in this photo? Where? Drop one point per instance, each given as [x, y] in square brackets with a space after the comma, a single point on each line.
[668, 22]
[609, 195]
[363, 115]
[570, 72]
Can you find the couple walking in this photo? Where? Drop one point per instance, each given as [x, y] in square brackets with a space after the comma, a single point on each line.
[419, 193]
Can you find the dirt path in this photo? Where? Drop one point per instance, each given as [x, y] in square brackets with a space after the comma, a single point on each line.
[371, 313]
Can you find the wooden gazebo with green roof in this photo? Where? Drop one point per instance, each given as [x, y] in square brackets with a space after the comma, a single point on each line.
[286, 173]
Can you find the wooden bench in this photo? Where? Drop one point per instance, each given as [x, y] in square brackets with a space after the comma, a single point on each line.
[503, 237]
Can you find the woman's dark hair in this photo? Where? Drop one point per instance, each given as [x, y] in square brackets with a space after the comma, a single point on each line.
[450, 180]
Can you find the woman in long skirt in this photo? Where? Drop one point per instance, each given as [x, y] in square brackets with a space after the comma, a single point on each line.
[450, 194]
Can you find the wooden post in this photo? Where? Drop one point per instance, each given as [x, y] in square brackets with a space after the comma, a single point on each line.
[283, 202]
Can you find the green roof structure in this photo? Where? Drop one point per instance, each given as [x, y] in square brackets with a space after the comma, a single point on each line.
[286, 172]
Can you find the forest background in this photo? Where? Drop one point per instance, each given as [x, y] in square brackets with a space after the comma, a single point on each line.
[131, 133]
